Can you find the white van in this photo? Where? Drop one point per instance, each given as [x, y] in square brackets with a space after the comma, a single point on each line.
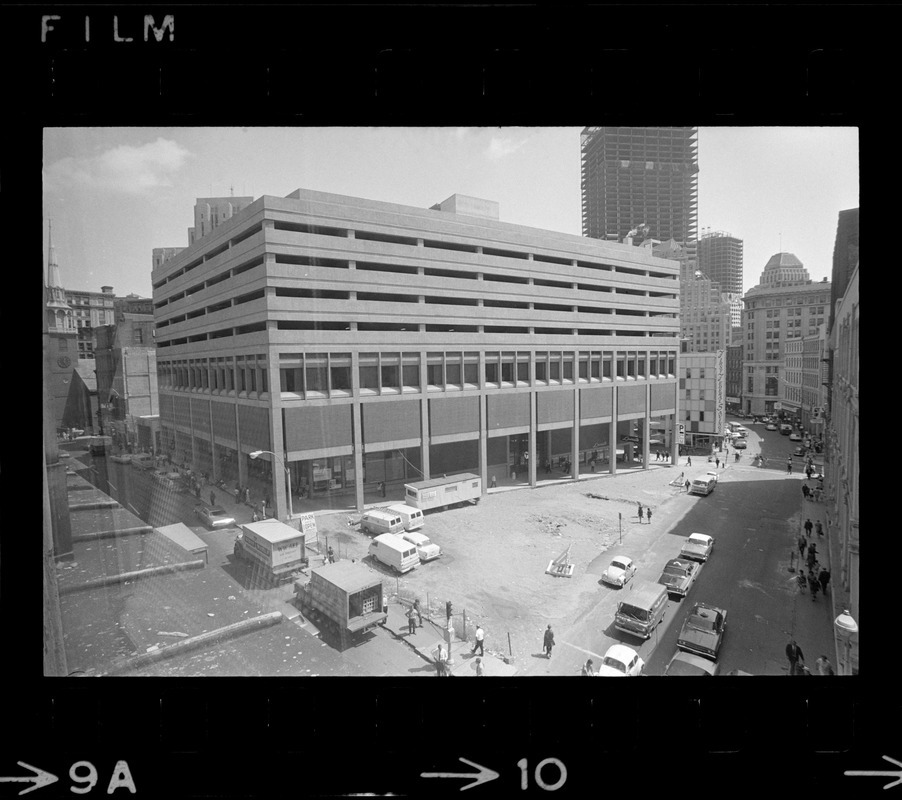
[394, 552]
[410, 516]
[380, 521]
[704, 485]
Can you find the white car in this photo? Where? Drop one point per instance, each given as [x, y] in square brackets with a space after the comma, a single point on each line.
[795, 437]
[697, 547]
[691, 665]
[142, 460]
[121, 458]
[214, 516]
[712, 474]
[770, 427]
[425, 548]
[621, 661]
[620, 570]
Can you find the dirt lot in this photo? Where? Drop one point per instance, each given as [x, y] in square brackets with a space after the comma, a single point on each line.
[495, 554]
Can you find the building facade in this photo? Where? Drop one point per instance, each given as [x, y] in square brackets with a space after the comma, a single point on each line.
[785, 306]
[364, 342]
[127, 375]
[641, 176]
[211, 212]
[703, 383]
[90, 310]
[720, 259]
[705, 313]
[734, 378]
[842, 473]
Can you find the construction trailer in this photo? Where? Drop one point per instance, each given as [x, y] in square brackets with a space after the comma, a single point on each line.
[275, 551]
[442, 492]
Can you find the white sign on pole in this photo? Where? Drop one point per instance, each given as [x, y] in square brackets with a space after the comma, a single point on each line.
[681, 435]
[308, 524]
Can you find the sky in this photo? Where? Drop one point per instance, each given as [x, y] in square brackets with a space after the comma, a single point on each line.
[114, 194]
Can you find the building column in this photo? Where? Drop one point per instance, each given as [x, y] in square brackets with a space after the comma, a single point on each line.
[424, 418]
[612, 433]
[356, 414]
[483, 447]
[645, 426]
[276, 436]
[675, 434]
[574, 436]
[533, 440]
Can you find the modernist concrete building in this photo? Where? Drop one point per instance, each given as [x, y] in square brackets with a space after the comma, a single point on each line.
[636, 176]
[842, 473]
[785, 305]
[703, 382]
[366, 342]
[720, 259]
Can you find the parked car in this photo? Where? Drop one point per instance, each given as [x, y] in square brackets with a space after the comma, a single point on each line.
[795, 436]
[743, 432]
[121, 458]
[621, 661]
[770, 427]
[214, 516]
[703, 630]
[697, 547]
[712, 474]
[691, 665]
[142, 460]
[619, 571]
[678, 576]
[800, 451]
[424, 545]
[739, 444]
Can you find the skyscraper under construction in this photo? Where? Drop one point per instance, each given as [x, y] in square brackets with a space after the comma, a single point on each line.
[632, 176]
[720, 258]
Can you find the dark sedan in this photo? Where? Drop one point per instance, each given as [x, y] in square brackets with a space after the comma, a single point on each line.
[702, 632]
[678, 576]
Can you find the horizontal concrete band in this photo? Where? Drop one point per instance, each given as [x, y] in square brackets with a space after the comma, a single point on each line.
[131, 576]
[194, 642]
[94, 505]
[113, 532]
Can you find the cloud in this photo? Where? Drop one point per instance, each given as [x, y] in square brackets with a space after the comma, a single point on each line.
[501, 147]
[124, 169]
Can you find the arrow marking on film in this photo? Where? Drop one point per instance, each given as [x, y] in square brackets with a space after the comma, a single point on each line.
[897, 774]
[40, 778]
[483, 776]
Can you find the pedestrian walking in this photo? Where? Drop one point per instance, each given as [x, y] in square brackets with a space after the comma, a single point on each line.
[237, 493]
[808, 472]
[588, 669]
[819, 528]
[418, 611]
[824, 667]
[480, 670]
[795, 655]
[263, 510]
[331, 555]
[688, 461]
[805, 490]
[648, 514]
[640, 513]
[212, 498]
[548, 642]
[547, 466]
[818, 491]
[808, 526]
[813, 585]
[812, 556]
[411, 621]
[494, 482]
[382, 487]
[480, 641]
[823, 579]
[803, 543]
[687, 485]
[789, 466]
[717, 462]
[247, 495]
[802, 581]
[255, 517]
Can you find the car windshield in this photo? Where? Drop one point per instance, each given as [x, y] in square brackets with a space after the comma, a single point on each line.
[698, 540]
[618, 564]
[610, 661]
[217, 512]
[702, 623]
[674, 570]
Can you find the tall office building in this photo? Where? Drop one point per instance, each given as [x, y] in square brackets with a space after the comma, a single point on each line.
[720, 258]
[636, 176]
[364, 342]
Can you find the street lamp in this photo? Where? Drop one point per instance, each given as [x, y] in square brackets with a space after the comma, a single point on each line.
[846, 627]
[257, 454]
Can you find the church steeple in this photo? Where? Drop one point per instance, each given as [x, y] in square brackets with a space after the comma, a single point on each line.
[58, 316]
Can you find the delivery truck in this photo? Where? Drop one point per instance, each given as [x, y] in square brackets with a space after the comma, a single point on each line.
[343, 600]
[446, 491]
[275, 550]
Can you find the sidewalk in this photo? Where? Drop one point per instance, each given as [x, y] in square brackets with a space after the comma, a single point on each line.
[425, 639]
[812, 620]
